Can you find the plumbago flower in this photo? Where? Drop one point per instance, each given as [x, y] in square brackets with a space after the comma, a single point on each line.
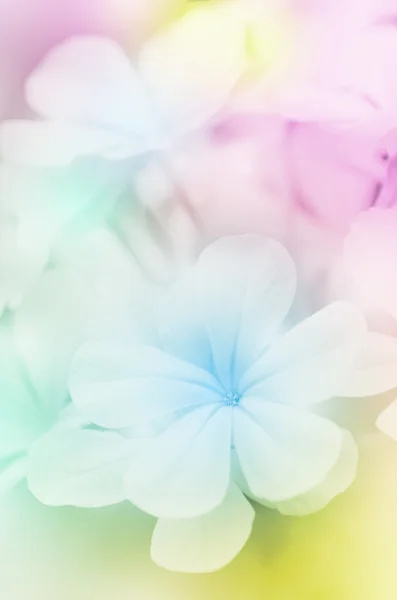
[93, 100]
[217, 408]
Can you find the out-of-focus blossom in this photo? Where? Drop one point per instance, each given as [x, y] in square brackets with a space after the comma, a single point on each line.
[28, 29]
[70, 302]
[236, 179]
[229, 398]
[39, 210]
[311, 63]
[94, 101]
[301, 183]
[331, 177]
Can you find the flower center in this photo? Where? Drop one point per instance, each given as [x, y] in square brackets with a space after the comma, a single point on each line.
[231, 399]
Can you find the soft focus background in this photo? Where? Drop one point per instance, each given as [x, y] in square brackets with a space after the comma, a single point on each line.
[303, 183]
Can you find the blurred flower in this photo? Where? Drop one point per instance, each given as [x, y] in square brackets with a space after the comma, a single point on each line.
[39, 210]
[314, 62]
[33, 398]
[94, 101]
[300, 183]
[28, 29]
[68, 303]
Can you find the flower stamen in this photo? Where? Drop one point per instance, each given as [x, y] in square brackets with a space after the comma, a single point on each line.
[231, 399]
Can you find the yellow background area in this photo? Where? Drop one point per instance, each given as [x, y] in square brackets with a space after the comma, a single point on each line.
[348, 551]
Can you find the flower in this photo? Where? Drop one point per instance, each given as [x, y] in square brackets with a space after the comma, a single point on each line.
[40, 211]
[323, 63]
[94, 101]
[217, 406]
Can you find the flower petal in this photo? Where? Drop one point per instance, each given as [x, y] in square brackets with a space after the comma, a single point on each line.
[336, 482]
[245, 287]
[53, 143]
[118, 386]
[79, 468]
[206, 543]
[375, 370]
[89, 80]
[387, 421]
[283, 451]
[311, 362]
[185, 471]
[180, 330]
[191, 80]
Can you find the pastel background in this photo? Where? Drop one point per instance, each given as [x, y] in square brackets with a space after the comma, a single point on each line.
[301, 182]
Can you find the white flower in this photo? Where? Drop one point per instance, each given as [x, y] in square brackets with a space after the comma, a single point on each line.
[226, 399]
[94, 101]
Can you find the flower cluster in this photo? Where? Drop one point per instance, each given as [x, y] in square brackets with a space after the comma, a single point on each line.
[198, 248]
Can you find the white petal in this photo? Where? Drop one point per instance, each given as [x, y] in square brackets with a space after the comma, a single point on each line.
[184, 472]
[375, 370]
[245, 287]
[206, 543]
[180, 330]
[387, 421]
[79, 467]
[118, 386]
[336, 482]
[312, 361]
[191, 79]
[283, 451]
[89, 80]
[53, 143]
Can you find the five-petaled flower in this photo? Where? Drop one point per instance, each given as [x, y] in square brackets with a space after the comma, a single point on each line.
[225, 392]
